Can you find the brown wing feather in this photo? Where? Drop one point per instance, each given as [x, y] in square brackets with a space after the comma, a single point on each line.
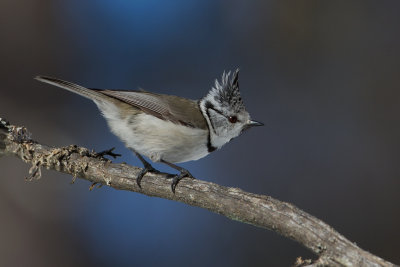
[167, 107]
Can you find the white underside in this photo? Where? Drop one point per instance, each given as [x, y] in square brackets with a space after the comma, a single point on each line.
[156, 138]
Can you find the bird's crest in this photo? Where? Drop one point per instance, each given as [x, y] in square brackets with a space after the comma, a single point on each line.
[226, 92]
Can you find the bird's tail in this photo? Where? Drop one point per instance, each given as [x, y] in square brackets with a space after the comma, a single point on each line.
[77, 89]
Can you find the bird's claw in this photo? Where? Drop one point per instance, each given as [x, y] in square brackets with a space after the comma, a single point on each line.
[175, 180]
[108, 152]
[147, 168]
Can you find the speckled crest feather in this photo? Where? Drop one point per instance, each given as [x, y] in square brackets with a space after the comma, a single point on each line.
[227, 92]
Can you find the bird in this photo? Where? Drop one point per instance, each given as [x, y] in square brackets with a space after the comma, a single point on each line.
[167, 128]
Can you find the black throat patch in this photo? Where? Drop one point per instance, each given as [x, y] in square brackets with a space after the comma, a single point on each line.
[210, 147]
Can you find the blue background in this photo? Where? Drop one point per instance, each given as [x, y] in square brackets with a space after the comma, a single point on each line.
[322, 75]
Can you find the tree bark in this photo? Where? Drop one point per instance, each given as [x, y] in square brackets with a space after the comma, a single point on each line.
[332, 248]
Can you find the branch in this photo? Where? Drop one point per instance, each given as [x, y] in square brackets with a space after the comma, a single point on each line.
[262, 211]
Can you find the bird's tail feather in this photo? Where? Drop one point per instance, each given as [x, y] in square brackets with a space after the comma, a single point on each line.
[77, 89]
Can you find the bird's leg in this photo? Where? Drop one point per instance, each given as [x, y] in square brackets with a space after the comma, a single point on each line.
[147, 168]
[183, 173]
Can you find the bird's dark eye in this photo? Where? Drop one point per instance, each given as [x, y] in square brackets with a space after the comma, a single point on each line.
[232, 119]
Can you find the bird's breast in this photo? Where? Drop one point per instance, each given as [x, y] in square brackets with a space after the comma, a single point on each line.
[160, 139]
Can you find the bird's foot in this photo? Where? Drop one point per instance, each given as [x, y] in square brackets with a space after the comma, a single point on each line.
[108, 152]
[147, 168]
[176, 178]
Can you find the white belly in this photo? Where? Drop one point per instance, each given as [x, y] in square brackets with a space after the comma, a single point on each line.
[156, 138]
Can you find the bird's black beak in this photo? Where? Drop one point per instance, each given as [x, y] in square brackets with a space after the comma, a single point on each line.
[250, 124]
[255, 123]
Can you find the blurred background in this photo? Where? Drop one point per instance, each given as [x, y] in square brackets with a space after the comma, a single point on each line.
[323, 76]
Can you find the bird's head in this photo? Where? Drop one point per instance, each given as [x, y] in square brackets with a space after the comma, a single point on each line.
[224, 110]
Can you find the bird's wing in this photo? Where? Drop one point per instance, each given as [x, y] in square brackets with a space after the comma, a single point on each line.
[167, 107]
[172, 108]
